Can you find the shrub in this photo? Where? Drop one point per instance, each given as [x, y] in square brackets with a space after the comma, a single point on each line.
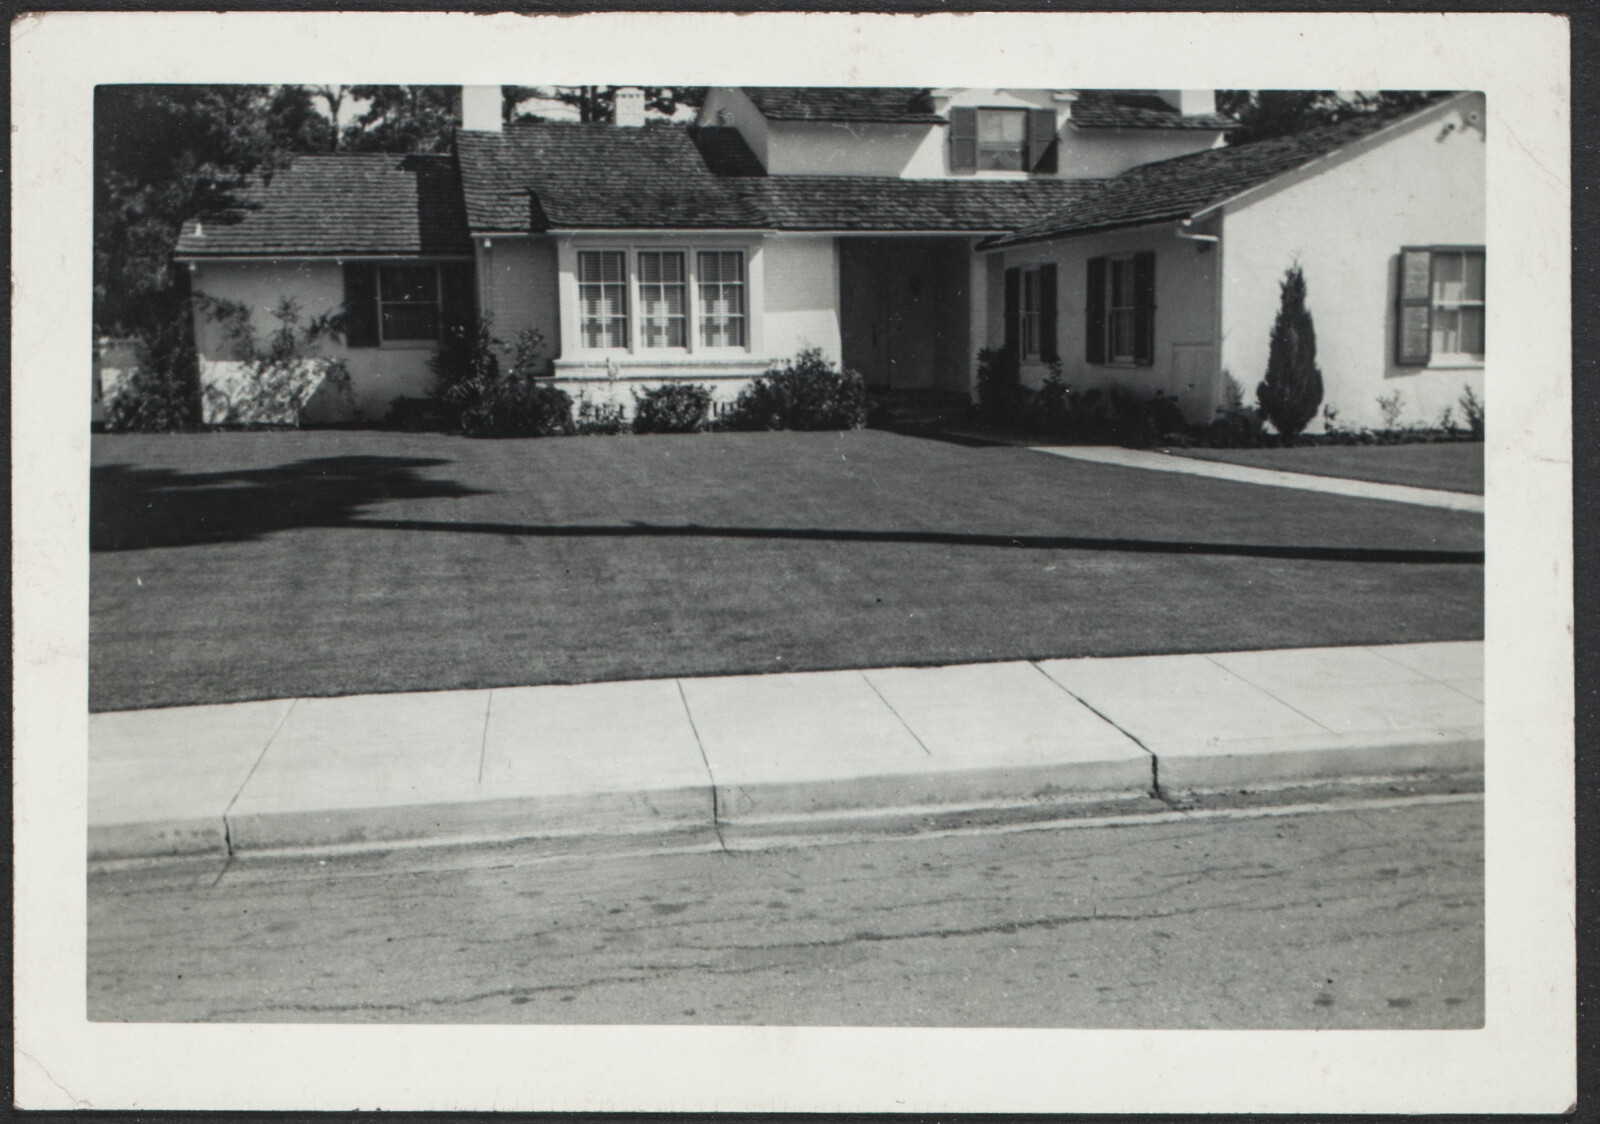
[674, 407]
[1001, 395]
[1390, 405]
[1236, 425]
[1472, 411]
[1052, 408]
[1292, 390]
[481, 400]
[163, 393]
[598, 418]
[277, 380]
[806, 392]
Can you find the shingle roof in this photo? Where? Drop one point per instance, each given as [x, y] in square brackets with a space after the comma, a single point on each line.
[886, 203]
[545, 175]
[888, 104]
[345, 203]
[1130, 109]
[1185, 185]
[595, 176]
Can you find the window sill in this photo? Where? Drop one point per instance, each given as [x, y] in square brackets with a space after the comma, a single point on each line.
[1455, 363]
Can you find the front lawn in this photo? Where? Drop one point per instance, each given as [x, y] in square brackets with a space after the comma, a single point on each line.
[1452, 466]
[254, 565]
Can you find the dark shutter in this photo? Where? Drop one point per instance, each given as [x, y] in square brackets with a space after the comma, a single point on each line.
[456, 304]
[963, 140]
[1413, 345]
[1094, 313]
[1013, 310]
[360, 305]
[1047, 314]
[1041, 140]
[1144, 299]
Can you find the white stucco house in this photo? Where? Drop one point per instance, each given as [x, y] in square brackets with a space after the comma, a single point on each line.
[898, 230]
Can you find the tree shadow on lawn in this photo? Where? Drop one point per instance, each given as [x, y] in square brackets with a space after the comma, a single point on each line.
[139, 508]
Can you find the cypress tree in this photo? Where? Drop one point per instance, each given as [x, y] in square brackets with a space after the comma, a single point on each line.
[1292, 391]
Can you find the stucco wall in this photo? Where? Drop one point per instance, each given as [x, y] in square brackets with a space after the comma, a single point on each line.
[378, 375]
[1346, 226]
[517, 287]
[1185, 318]
[1098, 153]
[802, 294]
[839, 148]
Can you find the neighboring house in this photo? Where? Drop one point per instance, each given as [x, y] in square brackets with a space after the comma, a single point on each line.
[898, 230]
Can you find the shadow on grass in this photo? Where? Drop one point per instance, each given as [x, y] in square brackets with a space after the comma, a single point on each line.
[140, 508]
[939, 538]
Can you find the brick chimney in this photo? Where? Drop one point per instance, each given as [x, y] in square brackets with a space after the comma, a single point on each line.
[480, 108]
[629, 103]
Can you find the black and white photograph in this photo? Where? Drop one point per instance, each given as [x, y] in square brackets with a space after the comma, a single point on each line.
[809, 557]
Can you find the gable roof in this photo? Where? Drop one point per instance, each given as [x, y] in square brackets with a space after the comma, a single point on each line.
[1132, 109]
[339, 203]
[881, 104]
[1184, 186]
[547, 175]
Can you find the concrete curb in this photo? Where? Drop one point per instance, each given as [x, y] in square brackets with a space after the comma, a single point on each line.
[795, 753]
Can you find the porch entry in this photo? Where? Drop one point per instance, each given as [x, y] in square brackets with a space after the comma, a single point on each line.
[904, 310]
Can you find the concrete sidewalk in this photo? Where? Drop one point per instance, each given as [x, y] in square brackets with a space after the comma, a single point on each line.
[1269, 477]
[688, 758]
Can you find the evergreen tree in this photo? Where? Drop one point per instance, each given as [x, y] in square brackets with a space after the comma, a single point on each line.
[1291, 393]
[403, 119]
[1274, 113]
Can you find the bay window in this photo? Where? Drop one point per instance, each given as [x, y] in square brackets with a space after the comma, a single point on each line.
[648, 299]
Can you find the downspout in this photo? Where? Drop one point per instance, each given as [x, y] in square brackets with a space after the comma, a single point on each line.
[1182, 230]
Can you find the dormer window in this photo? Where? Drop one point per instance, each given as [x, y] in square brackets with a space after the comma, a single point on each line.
[1002, 140]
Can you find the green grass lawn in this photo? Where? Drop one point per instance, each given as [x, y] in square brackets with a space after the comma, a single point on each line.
[255, 565]
[1455, 466]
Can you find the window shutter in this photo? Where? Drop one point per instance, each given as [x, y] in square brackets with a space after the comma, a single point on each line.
[1414, 310]
[1144, 299]
[456, 304]
[1047, 314]
[963, 140]
[1041, 140]
[1094, 313]
[360, 305]
[1013, 310]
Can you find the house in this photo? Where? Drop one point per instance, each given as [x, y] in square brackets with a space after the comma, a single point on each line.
[898, 230]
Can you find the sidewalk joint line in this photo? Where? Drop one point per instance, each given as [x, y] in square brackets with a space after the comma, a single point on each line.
[896, 713]
[1155, 762]
[716, 812]
[483, 742]
[1251, 683]
[227, 829]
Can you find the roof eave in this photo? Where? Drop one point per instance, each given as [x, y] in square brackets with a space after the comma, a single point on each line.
[1079, 232]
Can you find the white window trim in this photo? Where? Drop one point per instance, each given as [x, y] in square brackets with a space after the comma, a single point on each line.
[1022, 151]
[635, 353]
[1454, 360]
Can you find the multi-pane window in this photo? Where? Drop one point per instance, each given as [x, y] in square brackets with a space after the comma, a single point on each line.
[663, 299]
[603, 298]
[1441, 313]
[1002, 139]
[1120, 310]
[408, 302]
[722, 297]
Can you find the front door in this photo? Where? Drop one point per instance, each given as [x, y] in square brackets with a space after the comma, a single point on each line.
[902, 303]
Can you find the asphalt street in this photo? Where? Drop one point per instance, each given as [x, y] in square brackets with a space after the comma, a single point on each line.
[1365, 913]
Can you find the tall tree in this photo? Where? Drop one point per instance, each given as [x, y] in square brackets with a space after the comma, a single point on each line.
[1291, 392]
[333, 97]
[1272, 113]
[403, 119]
